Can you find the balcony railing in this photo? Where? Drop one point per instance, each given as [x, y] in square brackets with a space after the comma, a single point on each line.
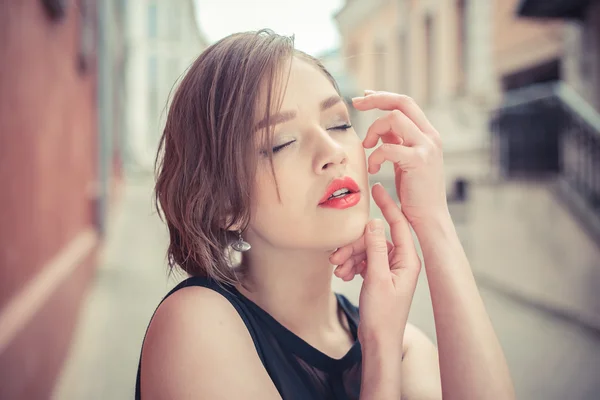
[549, 130]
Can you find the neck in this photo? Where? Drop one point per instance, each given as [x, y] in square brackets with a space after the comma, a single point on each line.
[294, 287]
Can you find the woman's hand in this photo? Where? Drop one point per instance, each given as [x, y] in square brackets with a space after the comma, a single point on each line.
[465, 335]
[415, 148]
[390, 272]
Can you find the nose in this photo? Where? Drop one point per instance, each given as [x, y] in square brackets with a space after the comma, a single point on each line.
[330, 154]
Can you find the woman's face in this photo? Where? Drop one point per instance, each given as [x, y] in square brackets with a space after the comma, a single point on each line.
[316, 152]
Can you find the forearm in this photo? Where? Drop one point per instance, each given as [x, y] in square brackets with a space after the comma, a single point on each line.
[472, 363]
[381, 371]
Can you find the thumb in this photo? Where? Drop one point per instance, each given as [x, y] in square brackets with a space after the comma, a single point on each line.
[377, 252]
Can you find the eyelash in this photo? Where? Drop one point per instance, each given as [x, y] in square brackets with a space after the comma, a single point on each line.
[344, 127]
[341, 127]
[281, 146]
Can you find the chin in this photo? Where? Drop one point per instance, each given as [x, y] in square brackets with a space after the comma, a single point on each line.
[348, 228]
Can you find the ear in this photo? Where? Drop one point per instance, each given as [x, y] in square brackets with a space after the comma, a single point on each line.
[233, 228]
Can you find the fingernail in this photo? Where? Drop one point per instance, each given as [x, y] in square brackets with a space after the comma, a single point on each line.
[357, 99]
[376, 226]
[368, 92]
[377, 184]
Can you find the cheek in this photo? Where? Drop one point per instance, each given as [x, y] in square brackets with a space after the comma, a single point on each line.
[264, 191]
[358, 157]
[266, 199]
[360, 154]
[272, 218]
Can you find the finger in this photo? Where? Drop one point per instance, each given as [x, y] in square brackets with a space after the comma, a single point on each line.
[350, 265]
[361, 268]
[355, 264]
[404, 157]
[354, 249]
[394, 101]
[398, 125]
[344, 253]
[346, 270]
[401, 233]
[353, 267]
[358, 269]
[377, 256]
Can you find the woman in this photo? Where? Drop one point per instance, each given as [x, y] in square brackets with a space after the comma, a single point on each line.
[259, 158]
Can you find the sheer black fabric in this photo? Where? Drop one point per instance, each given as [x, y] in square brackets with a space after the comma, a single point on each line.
[298, 370]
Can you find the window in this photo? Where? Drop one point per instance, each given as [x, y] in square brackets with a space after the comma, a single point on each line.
[153, 97]
[87, 36]
[152, 20]
[174, 22]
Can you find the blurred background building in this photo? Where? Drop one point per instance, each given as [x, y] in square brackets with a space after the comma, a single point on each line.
[162, 41]
[60, 125]
[81, 89]
[512, 85]
[546, 152]
[437, 52]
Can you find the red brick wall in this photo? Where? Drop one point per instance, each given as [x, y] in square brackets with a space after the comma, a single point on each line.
[48, 162]
[30, 366]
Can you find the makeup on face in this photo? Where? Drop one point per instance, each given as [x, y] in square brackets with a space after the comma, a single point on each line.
[341, 193]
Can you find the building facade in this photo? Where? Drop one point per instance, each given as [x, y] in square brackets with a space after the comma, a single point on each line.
[436, 52]
[58, 171]
[519, 79]
[546, 130]
[163, 39]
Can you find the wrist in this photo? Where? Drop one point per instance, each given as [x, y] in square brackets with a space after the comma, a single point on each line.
[437, 222]
[381, 370]
[380, 343]
[379, 340]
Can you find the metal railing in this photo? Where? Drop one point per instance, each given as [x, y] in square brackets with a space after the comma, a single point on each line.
[580, 143]
[549, 130]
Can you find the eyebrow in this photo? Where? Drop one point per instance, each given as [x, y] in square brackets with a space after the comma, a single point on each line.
[330, 102]
[286, 116]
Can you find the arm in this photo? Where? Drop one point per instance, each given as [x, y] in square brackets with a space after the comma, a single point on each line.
[413, 371]
[208, 356]
[381, 371]
[471, 359]
[389, 282]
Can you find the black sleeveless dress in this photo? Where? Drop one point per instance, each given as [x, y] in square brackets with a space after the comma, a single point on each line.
[298, 370]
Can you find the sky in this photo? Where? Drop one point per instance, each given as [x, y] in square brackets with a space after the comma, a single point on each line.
[310, 20]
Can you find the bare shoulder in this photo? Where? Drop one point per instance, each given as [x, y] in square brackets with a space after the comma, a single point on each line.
[198, 346]
[420, 366]
[415, 336]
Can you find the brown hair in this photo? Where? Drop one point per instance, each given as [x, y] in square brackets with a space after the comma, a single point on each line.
[207, 156]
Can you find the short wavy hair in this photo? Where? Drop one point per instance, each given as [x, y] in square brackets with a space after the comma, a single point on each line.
[207, 158]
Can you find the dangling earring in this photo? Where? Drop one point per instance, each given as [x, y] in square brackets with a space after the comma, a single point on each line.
[241, 245]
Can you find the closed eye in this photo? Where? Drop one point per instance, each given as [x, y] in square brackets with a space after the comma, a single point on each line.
[344, 127]
[281, 146]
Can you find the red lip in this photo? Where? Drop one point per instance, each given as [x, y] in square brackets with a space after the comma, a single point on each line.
[348, 200]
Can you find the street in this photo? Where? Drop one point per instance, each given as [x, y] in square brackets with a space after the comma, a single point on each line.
[549, 357]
